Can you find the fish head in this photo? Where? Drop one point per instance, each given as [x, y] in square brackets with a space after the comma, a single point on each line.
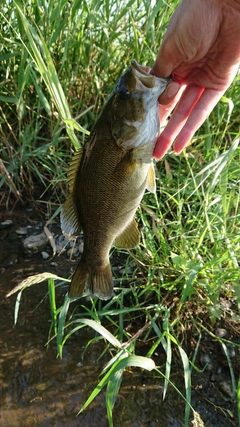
[136, 91]
[134, 106]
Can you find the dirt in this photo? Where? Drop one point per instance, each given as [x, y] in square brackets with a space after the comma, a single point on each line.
[38, 389]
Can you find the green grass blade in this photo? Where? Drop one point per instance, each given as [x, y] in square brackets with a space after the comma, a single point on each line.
[225, 159]
[134, 361]
[102, 331]
[61, 324]
[113, 387]
[234, 386]
[168, 365]
[187, 380]
[52, 300]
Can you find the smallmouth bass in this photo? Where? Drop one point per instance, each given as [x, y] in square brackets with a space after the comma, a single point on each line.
[108, 176]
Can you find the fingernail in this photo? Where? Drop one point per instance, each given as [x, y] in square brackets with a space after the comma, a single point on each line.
[173, 89]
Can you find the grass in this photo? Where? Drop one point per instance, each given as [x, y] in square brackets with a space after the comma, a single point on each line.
[58, 67]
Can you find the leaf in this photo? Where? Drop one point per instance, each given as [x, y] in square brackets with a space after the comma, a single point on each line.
[52, 300]
[61, 324]
[113, 387]
[10, 99]
[234, 387]
[187, 379]
[168, 366]
[75, 125]
[102, 331]
[224, 160]
[136, 361]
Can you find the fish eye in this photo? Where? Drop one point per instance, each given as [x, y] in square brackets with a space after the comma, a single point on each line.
[123, 92]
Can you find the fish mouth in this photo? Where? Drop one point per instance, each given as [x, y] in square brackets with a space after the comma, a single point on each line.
[148, 80]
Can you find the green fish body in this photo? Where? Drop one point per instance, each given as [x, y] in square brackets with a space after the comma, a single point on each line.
[108, 177]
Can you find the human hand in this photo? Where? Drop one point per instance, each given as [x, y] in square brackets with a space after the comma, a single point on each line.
[201, 49]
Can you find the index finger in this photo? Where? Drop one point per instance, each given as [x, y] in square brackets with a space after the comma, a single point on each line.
[178, 119]
[199, 114]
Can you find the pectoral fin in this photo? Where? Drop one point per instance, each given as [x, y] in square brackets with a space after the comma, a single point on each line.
[129, 238]
[151, 179]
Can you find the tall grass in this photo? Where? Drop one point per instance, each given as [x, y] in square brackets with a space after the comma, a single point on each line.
[59, 62]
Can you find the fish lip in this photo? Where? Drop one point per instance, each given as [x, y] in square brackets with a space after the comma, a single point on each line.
[148, 80]
[136, 66]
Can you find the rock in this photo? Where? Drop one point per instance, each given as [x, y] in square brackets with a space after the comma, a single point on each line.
[35, 244]
[206, 362]
[21, 231]
[72, 252]
[230, 351]
[72, 243]
[81, 247]
[226, 388]
[61, 239]
[45, 255]
[220, 332]
[60, 248]
[5, 224]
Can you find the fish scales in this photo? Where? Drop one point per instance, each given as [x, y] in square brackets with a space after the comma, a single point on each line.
[108, 177]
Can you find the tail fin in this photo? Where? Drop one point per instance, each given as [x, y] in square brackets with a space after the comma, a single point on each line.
[98, 281]
[101, 282]
[79, 281]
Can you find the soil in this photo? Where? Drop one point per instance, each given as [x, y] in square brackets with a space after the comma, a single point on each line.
[38, 389]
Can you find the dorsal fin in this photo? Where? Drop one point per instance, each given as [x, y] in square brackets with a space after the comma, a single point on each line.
[129, 238]
[69, 218]
[151, 179]
[73, 168]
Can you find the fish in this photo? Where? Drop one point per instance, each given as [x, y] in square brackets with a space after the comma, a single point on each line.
[108, 177]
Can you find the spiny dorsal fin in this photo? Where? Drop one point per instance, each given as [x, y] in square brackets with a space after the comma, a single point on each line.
[129, 238]
[69, 219]
[73, 168]
[151, 179]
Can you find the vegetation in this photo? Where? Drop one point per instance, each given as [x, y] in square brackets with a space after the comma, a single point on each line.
[59, 62]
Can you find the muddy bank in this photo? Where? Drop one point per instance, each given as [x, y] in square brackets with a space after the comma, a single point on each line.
[36, 389]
